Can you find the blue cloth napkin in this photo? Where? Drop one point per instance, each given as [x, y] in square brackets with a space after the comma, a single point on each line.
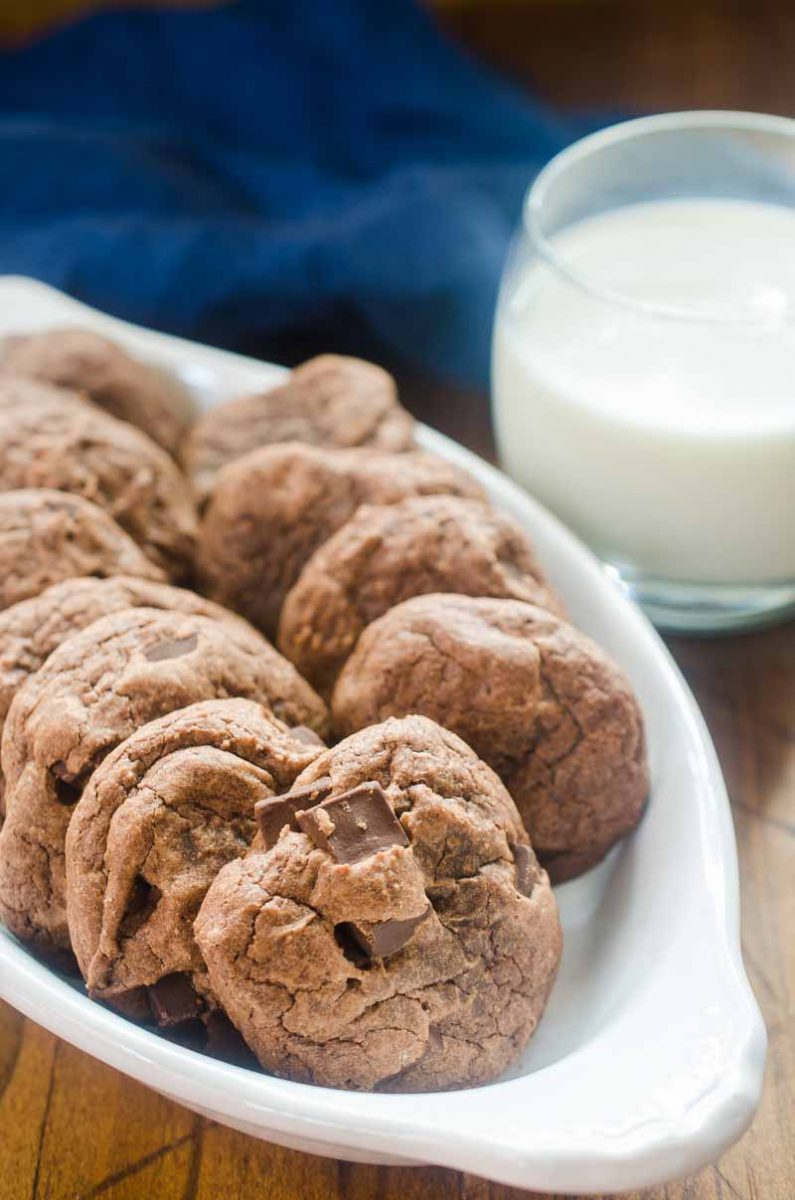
[241, 174]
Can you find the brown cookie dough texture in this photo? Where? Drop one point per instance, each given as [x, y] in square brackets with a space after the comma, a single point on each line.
[56, 440]
[47, 536]
[385, 554]
[399, 933]
[542, 704]
[271, 510]
[32, 629]
[95, 690]
[158, 819]
[328, 401]
[125, 387]
[18, 391]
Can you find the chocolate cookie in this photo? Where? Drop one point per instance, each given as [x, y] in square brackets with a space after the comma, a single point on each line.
[125, 387]
[158, 819]
[328, 401]
[32, 629]
[18, 391]
[398, 933]
[383, 555]
[271, 510]
[58, 441]
[96, 689]
[538, 700]
[47, 536]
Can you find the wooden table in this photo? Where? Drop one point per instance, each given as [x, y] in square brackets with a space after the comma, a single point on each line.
[71, 1128]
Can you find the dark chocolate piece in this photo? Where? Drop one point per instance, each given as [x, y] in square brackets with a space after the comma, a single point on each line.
[172, 649]
[224, 1041]
[133, 1004]
[526, 865]
[344, 936]
[173, 1000]
[385, 937]
[353, 825]
[277, 811]
[68, 787]
[67, 793]
[302, 733]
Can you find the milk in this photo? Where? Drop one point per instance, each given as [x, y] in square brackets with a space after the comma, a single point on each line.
[665, 438]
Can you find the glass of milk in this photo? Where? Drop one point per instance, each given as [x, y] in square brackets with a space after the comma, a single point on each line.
[644, 360]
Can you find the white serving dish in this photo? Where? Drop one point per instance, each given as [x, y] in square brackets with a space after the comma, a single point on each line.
[649, 1060]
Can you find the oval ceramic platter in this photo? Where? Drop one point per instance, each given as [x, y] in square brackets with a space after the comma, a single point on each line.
[649, 1060]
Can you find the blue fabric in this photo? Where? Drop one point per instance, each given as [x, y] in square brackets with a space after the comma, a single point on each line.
[239, 174]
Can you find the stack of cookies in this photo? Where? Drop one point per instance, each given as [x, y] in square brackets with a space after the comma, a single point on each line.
[373, 915]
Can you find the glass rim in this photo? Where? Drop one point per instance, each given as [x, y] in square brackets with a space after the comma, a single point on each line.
[691, 120]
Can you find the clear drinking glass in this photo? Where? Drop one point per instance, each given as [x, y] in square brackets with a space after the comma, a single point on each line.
[644, 360]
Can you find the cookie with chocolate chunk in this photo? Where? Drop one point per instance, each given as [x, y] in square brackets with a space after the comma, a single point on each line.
[55, 440]
[328, 401]
[47, 536]
[32, 629]
[551, 713]
[159, 818]
[271, 510]
[95, 690]
[386, 554]
[87, 362]
[395, 931]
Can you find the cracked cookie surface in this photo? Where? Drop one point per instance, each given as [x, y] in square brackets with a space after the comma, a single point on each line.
[33, 628]
[406, 942]
[328, 401]
[93, 691]
[544, 706]
[271, 510]
[386, 554]
[158, 819]
[127, 388]
[59, 441]
[47, 536]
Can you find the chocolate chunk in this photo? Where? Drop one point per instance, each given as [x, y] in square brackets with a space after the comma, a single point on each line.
[134, 1004]
[173, 1000]
[224, 1041]
[302, 733]
[174, 648]
[526, 865]
[353, 825]
[68, 787]
[385, 937]
[350, 945]
[67, 793]
[277, 811]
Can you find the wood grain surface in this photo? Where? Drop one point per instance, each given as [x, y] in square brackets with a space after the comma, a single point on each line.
[72, 1129]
